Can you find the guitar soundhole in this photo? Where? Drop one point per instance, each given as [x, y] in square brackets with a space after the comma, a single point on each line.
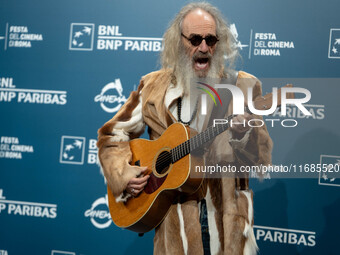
[163, 162]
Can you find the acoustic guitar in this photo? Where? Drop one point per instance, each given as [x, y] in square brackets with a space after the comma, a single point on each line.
[170, 164]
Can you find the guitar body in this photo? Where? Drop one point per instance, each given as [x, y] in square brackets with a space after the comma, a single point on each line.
[167, 180]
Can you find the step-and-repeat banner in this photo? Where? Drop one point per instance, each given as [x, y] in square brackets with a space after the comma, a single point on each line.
[66, 67]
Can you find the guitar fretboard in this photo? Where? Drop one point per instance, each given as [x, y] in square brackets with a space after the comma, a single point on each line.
[197, 141]
[211, 132]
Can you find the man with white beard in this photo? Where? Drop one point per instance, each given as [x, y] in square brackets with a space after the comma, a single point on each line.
[195, 46]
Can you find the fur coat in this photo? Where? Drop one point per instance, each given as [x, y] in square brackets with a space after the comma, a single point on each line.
[229, 200]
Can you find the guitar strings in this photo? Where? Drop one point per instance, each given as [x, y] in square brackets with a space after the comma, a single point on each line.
[174, 151]
[186, 147]
[203, 137]
[206, 136]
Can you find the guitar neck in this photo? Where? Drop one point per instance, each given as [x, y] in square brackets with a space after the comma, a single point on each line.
[211, 132]
[198, 141]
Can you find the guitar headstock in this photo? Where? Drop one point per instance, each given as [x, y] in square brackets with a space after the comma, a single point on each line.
[266, 101]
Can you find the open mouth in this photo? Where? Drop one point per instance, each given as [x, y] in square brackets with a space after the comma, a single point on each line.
[201, 63]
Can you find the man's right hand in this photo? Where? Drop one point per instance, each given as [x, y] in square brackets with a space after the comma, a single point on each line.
[137, 184]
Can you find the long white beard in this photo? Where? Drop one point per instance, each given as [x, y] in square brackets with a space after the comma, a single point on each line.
[187, 78]
[186, 75]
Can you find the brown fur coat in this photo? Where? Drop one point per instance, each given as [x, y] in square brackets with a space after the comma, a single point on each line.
[229, 201]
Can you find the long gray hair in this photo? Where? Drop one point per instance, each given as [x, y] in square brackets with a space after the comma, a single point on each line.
[172, 37]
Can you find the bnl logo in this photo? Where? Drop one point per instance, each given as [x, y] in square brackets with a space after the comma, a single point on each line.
[334, 43]
[81, 36]
[331, 177]
[72, 150]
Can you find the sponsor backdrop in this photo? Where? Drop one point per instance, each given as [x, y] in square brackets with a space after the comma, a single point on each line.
[66, 67]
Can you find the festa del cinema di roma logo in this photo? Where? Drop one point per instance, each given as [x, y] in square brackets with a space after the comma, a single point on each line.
[238, 103]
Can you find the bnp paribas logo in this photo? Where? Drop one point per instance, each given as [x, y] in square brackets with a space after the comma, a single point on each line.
[334, 43]
[72, 150]
[329, 173]
[81, 36]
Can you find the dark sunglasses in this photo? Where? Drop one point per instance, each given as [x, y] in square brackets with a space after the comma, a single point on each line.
[196, 40]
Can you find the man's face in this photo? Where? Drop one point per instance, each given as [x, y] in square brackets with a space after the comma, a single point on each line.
[199, 22]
